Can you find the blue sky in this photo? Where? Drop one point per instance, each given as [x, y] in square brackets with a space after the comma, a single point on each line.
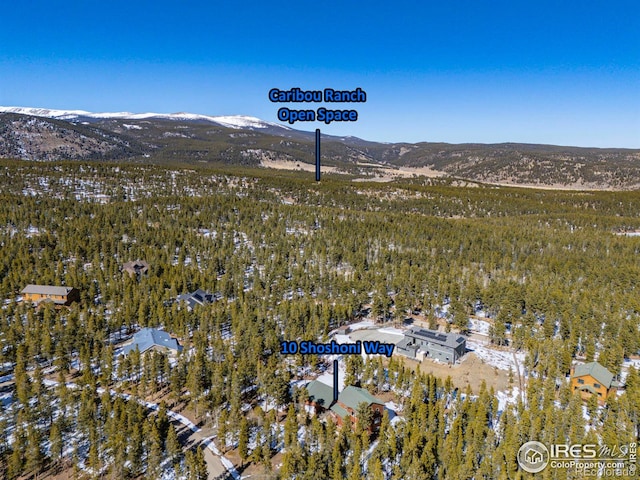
[559, 72]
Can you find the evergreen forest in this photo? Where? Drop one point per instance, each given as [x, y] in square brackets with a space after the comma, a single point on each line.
[287, 258]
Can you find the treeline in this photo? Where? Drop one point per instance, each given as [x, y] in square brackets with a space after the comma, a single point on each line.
[444, 432]
[292, 259]
[536, 267]
[93, 429]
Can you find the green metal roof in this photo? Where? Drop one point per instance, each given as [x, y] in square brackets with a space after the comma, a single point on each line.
[320, 393]
[337, 409]
[597, 371]
[588, 388]
[353, 396]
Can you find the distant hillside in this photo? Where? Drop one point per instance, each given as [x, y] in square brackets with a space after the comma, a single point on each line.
[242, 140]
[35, 138]
[530, 164]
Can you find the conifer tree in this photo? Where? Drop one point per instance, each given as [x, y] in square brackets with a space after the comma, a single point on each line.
[243, 440]
[337, 459]
[197, 465]
[4, 441]
[173, 448]
[154, 450]
[34, 455]
[290, 428]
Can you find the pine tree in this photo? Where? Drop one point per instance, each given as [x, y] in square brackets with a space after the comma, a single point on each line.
[265, 454]
[135, 448]
[290, 428]
[289, 467]
[243, 440]
[190, 465]
[154, 448]
[460, 317]
[337, 459]
[173, 447]
[222, 429]
[21, 378]
[200, 465]
[162, 423]
[375, 469]
[365, 418]
[15, 465]
[592, 408]
[256, 455]
[4, 441]
[34, 455]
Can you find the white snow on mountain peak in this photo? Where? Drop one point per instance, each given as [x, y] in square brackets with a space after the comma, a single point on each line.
[229, 121]
[43, 112]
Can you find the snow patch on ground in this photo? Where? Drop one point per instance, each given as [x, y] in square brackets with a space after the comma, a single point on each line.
[5, 400]
[341, 339]
[503, 360]
[391, 408]
[267, 404]
[361, 325]
[480, 327]
[626, 364]
[509, 397]
[327, 377]
[391, 331]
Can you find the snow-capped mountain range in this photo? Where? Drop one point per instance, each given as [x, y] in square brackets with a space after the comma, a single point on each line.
[44, 134]
[229, 121]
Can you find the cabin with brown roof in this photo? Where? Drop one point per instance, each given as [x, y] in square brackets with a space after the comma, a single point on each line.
[136, 269]
[591, 379]
[60, 296]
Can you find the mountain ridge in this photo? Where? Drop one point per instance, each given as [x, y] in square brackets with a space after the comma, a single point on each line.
[187, 138]
[230, 121]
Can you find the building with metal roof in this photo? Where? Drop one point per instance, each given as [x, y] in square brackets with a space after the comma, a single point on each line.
[421, 342]
[199, 297]
[320, 395]
[56, 294]
[352, 396]
[592, 379]
[349, 400]
[345, 409]
[152, 338]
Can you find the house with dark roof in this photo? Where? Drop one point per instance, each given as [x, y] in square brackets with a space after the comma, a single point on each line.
[592, 379]
[60, 296]
[419, 343]
[136, 269]
[199, 297]
[149, 339]
[345, 409]
[343, 330]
